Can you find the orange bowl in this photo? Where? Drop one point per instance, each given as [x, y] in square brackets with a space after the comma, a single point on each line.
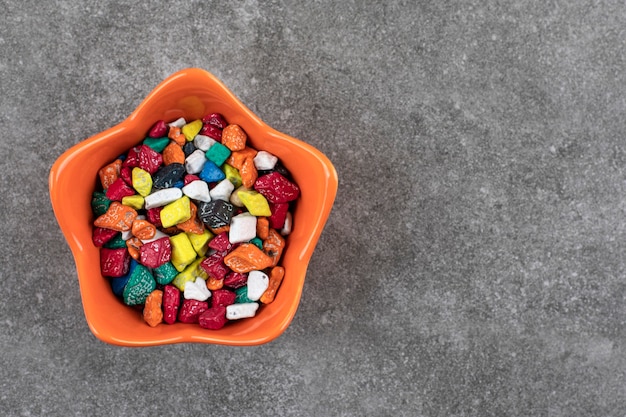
[190, 93]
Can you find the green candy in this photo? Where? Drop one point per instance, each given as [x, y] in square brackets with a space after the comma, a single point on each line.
[156, 144]
[257, 242]
[218, 154]
[99, 203]
[241, 295]
[165, 273]
[140, 284]
[116, 243]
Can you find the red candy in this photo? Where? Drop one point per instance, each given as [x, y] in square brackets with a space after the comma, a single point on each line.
[144, 157]
[190, 178]
[154, 216]
[212, 132]
[214, 266]
[223, 298]
[213, 318]
[220, 242]
[216, 120]
[156, 253]
[190, 310]
[276, 188]
[235, 280]
[100, 235]
[158, 130]
[171, 303]
[114, 262]
[118, 190]
[279, 213]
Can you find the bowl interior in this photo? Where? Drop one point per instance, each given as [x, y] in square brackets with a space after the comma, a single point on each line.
[190, 93]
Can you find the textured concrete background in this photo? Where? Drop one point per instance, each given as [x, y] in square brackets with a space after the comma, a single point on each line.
[472, 265]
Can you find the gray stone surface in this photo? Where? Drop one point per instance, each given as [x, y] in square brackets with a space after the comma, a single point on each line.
[472, 264]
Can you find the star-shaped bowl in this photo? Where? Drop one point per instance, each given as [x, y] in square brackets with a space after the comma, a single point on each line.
[190, 93]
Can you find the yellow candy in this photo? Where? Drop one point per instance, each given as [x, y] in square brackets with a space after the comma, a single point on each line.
[254, 201]
[182, 251]
[232, 174]
[142, 181]
[200, 243]
[190, 130]
[190, 273]
[176, 212]
[134, 201]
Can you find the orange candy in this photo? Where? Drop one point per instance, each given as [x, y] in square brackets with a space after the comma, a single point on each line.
[248, 173]
[214, 284]
[273, 246]
[247, 257]
[234, 138]
[237, 158]
[110, 173]
[134, 245]
[177, 135]
[143, 229]
[276, 278]
[262, 227]
[152, 312]
[193, 225]
[118, 217]
[173, 153]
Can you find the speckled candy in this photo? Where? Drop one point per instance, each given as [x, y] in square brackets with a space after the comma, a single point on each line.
[139, 286]
[171, 304]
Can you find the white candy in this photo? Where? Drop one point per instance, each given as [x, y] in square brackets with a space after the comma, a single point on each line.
[241, 311]
[196, 290]
[203, 142]
[257, 284]
[162, 197]
[242, 228]
[197, 190]
[287, 226]
[178, 122]
[195, 162]
[222, 190]
[265, 160]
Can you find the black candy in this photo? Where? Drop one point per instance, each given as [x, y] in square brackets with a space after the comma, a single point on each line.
[215, 213]
[168, 175]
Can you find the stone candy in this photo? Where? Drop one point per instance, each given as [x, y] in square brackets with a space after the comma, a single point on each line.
[117, 217]
[110, 173]
[265, 161]
[203, 142]
[197, 190]
[176, 212]
[262, 227]
[188, 149]
[197, 290]
[199, 242]
[152, 312]
[248, 173]
[180, 122]
[171, 304]
[279, 213]
[276, 188]
[114, 262]
[217, 154]
[157, 144]
[234, 137]
[195, 162]
[213, 318]
[133, 245]
[154, 216]
[193, 224]
[212, 132]
[182, 252]
[211, 172]
[235, 280]
[116, 243]
[168, 175]
[273, 246]
[99, 203]
[173, 154]
[215, 214]
[222, 298]
[215, 119]
[276, 278]
[118, 190]
[190, 273]
[242, 228]
[214, 284]
[139, 286]
[258, 282]
[142, 181]
[100, 236]
[161, 198]
[288, 225]
[165, 273]
[156, 253]
[135, 201]
[241, 311]
[214, 266]
[190, 310]
[247, 257]
[232, 174]
[191, 129]
[143, 229]
[222, 190]
[176, 135]
[158, 129]
[144, 157]
[220, 242]
[255, 202]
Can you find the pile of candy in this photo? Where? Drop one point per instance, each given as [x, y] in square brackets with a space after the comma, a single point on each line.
[191, 223]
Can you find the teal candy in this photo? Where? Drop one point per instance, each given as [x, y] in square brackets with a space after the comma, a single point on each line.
[139, 286]
[156, 144]
[165, 273]
[257, 242]
[241, 295]
[99, 203]
[116, 243]
[218, 154]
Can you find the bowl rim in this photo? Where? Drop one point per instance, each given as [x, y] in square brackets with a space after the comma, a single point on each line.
[330, 181]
